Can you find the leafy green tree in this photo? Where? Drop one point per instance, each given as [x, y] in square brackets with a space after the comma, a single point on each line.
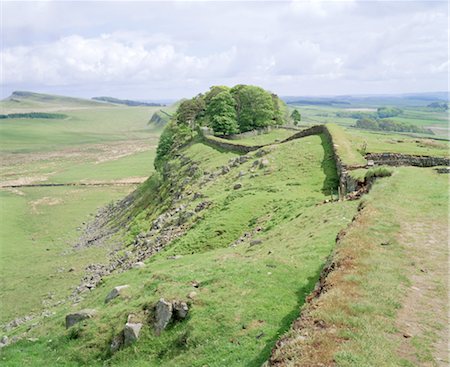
[214, 91]
[254, 107]
[221, 112]
[296, 117]
[190, 110]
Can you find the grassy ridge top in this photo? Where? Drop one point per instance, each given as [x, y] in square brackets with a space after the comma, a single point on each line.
[21, 101]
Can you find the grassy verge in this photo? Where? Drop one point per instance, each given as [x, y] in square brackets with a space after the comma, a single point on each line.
[367, 317]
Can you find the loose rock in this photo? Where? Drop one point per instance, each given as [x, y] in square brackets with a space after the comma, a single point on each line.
[131, 333]
[181, 309]
[237, 186]
[73, 318]
[192, 295]
[139, 265]
[163, 315]
[117, 291]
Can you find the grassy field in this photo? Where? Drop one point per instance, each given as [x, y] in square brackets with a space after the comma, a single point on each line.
[255, 254]
[386, 301]
[248, 294]
[96, 143]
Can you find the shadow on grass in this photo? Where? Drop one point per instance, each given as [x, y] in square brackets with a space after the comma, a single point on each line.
[287, 321]
[331, 182]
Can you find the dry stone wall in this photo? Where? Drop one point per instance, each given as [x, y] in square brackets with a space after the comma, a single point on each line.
[396, 159]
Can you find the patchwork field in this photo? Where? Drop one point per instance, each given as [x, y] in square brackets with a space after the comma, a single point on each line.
[95, 143]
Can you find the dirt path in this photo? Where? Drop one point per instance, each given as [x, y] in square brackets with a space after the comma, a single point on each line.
[424, 315]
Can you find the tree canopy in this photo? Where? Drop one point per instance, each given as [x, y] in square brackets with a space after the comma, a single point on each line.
[229, 111]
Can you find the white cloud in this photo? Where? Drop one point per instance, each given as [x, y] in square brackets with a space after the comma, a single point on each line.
[179, 49]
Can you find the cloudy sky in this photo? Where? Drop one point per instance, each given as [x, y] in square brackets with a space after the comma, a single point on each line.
[161, 50]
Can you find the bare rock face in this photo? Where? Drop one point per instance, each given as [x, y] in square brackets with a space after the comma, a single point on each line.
[131, 333]
[163, 315]
[73, 318]
[180, 309]
[116, 292]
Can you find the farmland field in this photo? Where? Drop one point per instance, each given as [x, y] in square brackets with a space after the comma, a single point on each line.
[95, 143]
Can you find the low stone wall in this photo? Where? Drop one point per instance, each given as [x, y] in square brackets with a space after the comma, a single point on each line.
[221, 144]
[249, 134]
[396, 159]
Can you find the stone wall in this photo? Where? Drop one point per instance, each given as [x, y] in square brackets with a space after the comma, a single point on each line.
[346, 183]
[396, 159]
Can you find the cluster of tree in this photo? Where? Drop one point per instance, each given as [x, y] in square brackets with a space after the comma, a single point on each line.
[440, 106]
[126, 102]
[389, 125]
[381, 113]
[34, 115]
[232, 110]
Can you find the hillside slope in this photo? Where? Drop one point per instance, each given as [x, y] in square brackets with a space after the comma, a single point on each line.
[243, 240]
[22, 102]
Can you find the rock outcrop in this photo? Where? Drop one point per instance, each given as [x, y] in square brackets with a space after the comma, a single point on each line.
[116, 292]
[73, 318]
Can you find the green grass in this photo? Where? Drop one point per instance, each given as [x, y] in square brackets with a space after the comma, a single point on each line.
[377, 262]
[345, 148]
[248, 295]
[36, 230]
[88, 126]
[134, 165]
[92, 144]
[275, 135]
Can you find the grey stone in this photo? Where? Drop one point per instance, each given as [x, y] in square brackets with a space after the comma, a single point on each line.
[264, 163]
[255, 242]
[116, 292]
[131, 333]
[73, 318]
[5, 340]
[174, 257]
[225, 170]
[237, 186]
[243, 158]
[181, 309]
[116, 343]
[192, 295]
[163, 315]
[138, 265]
[241, 174]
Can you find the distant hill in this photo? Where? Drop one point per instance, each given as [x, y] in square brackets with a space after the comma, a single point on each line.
[370, 100]
[24, 102]
[126, 102]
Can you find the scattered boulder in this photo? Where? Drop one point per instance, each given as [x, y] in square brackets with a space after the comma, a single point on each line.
[202, 206]
[73, 318]
[261, 152]
[192, 295]
[255, 242]
[243, 159]
[4, 341]
[131, 333]
[225, 170]
[116, 343]
[264, 163]
[138, 265]
[181, 309]
[163, 315]
[174, 257]
[237, 186]
[116, 291]
[241, 174]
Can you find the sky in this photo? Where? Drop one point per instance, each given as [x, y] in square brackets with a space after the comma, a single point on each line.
[152, 50]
